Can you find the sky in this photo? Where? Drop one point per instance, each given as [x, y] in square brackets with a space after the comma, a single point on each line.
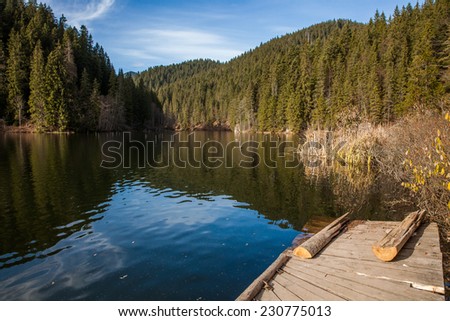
[138, 34]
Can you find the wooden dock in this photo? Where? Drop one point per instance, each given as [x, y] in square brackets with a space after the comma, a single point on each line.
[347, 269]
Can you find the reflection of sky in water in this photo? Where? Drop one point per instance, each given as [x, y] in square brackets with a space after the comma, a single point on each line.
[191, 210]
[72, 230]
[81, 259]
[152, 244]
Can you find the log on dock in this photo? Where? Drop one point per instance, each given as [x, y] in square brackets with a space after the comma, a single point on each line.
[390, 245]
[316, 243]
[346, 269]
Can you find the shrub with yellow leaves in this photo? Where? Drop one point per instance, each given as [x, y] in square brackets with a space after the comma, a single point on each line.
[429, 171]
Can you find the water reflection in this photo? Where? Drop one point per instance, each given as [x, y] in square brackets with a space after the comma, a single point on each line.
[50, 187]
[68, 269]
[70, 229]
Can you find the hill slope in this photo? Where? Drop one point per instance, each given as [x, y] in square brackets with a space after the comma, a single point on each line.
[331, 74]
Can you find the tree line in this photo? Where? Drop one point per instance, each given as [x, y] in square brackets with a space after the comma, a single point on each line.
[54, 76]
[335, 73]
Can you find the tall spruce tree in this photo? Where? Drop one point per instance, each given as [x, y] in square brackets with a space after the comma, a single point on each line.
[3, 87]
[37, 99]
[423, 71]
[16, 72]
[56, 109]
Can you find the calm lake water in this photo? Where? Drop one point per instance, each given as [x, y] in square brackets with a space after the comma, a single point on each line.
[72, 230]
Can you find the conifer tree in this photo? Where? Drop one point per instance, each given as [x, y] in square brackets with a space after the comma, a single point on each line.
[3, 88]
[445, 63]
[71, 76]
[16, 72]
[423, 71]
[93, 113]
[37, 98]
[56, 109]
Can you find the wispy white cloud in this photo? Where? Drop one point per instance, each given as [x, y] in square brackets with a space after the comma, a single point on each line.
[189, 37]
[148, 46]
[139, 53]
[81, 12]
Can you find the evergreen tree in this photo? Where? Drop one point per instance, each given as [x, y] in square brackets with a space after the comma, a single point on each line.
[71, 76]
[445, 63]
[16, 72]
[94, 108]
[56, 109]
[3, 87]
[423, 78]
[37, 98]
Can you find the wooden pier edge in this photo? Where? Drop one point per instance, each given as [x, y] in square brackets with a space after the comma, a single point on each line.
[253, 289]
[318, 241]
[344, 271]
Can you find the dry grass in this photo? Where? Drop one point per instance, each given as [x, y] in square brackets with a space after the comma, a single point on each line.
[399, 151]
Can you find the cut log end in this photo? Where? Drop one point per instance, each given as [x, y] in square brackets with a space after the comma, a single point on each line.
[388, 247]
[318, 241]
[385, 254]
[302, 252]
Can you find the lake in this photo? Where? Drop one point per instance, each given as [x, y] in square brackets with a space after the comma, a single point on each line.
[82, 219]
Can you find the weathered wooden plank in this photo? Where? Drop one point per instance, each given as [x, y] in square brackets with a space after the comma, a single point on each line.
[295, 285]
[380, 269]
[350, 283]
[258, 284]
[395, 290]
[425, 231]
[414, 260]
[283, 292]
[305, 290]
[331, 285]
[316, 243]
[374, 229]
[373, 226]
[414, 274]
[411, 244]
[372, 236]
[418, 272]
[386, 225]
[364, 252]
[267, 295]
[414, 257]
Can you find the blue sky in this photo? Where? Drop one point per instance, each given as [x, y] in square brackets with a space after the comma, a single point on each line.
[140, 34]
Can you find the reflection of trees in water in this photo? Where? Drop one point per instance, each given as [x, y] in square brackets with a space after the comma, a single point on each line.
[51, 186]
[368, 194]
[283, 195]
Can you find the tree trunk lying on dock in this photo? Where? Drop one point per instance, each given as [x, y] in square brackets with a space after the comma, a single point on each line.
[313, 246]
[388, 247]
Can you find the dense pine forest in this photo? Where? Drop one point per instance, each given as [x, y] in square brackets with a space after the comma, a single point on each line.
[54, 77]
[330, 75]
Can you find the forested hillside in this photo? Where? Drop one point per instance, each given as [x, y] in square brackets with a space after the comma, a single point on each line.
[54, 77]
[331, 74]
